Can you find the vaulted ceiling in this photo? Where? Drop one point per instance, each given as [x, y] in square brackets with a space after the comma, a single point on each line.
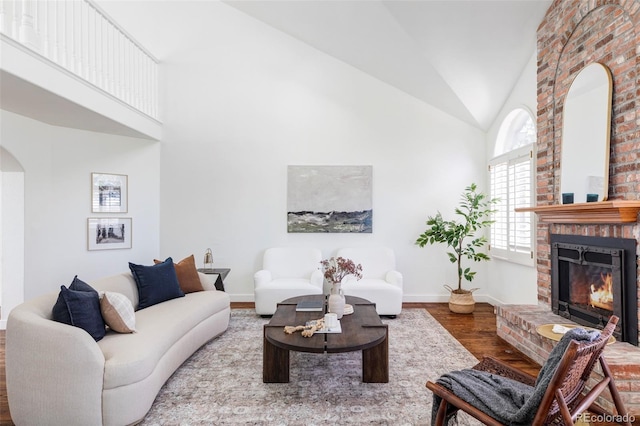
[461, 56]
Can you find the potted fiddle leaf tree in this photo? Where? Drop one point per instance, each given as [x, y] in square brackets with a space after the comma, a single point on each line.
[461, 238]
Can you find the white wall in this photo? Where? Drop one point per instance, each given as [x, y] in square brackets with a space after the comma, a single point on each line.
[11, 234]
[57, 164]
[510, 282]
[243, 101]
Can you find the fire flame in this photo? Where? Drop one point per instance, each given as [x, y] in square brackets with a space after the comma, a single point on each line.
[602, 295]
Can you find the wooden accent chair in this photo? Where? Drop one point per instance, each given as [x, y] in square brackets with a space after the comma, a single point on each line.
[564, 399]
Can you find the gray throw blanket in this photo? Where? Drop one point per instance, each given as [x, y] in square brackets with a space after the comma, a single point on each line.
[506, 400]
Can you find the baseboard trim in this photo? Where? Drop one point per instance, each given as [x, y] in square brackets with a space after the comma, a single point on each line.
[407, 298]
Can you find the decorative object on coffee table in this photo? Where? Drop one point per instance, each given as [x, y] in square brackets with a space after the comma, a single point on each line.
[335, 270]
[308, 329]
[336, 300]
[319, 325]
[310, 306]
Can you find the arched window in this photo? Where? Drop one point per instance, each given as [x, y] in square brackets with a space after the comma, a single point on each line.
[511, 181]
[517, 130]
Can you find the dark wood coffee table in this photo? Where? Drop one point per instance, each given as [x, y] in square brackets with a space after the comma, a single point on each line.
[361, 331]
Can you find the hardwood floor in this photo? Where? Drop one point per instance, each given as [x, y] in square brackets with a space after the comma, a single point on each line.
[476, 332]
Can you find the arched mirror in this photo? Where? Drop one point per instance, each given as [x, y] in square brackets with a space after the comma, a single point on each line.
[586, 130]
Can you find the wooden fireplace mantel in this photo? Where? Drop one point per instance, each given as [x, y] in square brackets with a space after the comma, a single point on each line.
[615, 211]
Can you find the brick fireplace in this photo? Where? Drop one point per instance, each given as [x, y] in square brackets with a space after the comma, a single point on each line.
[572, 35]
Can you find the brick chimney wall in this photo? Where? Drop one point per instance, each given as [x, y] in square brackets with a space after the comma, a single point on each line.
[572, 35]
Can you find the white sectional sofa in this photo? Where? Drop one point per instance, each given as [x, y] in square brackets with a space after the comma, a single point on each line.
[57, 374]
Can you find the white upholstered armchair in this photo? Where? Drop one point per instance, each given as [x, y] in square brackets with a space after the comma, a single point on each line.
[286, 272]
[380, 282]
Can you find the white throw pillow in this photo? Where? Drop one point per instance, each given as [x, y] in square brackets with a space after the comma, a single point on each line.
[117, 312]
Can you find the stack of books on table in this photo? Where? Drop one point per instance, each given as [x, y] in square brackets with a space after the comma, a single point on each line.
[310, 306]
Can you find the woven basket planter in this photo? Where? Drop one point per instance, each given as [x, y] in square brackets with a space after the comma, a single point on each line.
[461, 301]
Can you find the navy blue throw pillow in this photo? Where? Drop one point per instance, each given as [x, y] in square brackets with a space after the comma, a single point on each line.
[79, 305]
[156, 283]
[79, 285]
[84, 310]
[60, 309]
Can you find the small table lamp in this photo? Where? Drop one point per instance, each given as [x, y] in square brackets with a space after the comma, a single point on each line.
[208, 259]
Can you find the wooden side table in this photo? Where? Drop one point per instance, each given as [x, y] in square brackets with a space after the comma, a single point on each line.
[222, 274]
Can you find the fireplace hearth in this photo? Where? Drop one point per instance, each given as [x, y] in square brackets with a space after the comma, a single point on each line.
[593, 278]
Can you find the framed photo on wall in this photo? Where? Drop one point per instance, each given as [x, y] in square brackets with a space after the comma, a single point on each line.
[109, 193]
[108, 233]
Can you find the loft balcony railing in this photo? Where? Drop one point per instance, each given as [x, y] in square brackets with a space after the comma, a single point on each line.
[80, 37]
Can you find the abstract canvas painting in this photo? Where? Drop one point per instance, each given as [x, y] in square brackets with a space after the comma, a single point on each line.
[329, 199]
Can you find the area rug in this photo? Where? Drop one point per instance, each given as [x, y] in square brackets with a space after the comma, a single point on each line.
[221, 384]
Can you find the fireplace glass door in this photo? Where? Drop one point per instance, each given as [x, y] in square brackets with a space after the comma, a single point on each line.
[590, 288]
[593, 278]
[587, 283]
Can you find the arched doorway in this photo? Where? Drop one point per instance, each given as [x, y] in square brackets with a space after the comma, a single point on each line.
[11, 234]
